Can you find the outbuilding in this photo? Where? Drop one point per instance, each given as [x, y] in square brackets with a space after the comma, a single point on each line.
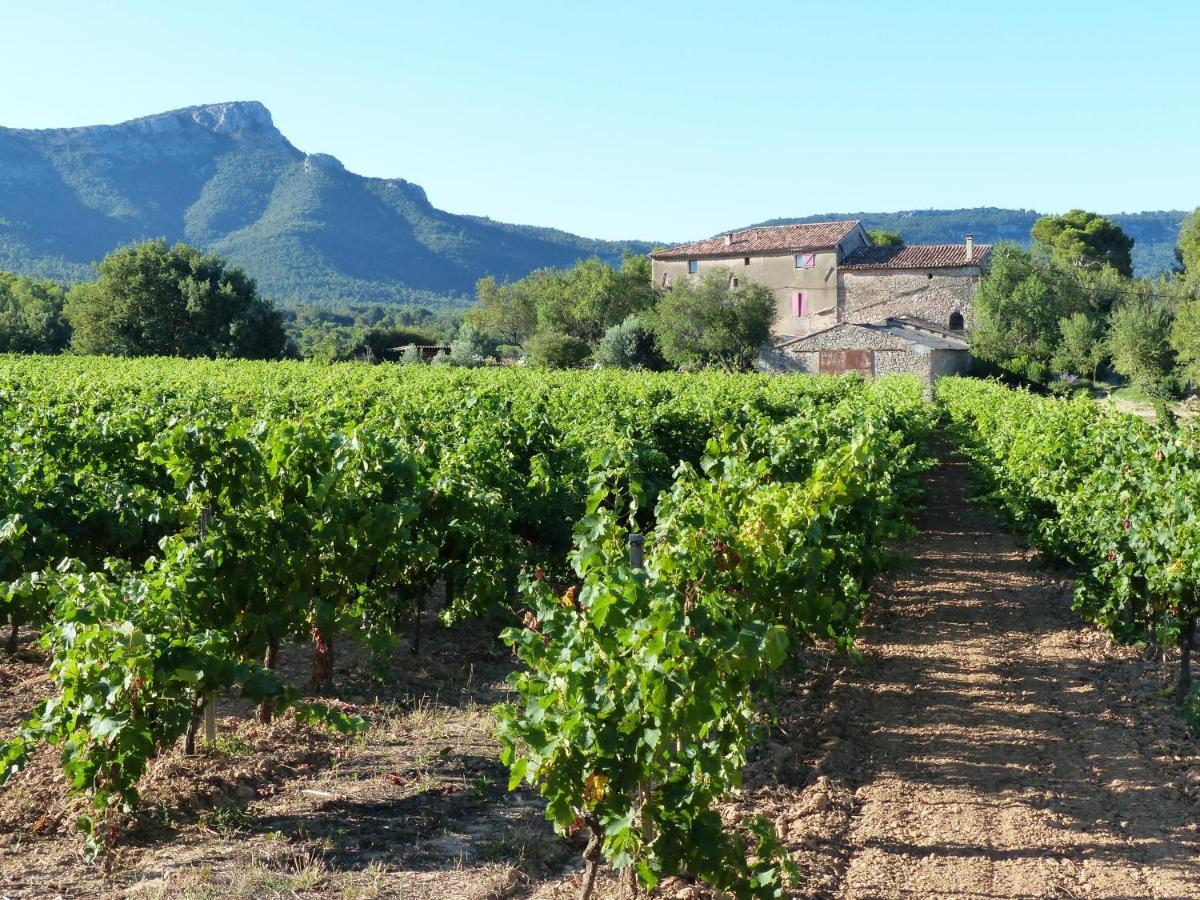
[900, 345]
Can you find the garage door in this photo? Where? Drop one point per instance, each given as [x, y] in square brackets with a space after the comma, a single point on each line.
[839, 362]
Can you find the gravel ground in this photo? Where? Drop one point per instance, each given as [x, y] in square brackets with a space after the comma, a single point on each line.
[991, 747]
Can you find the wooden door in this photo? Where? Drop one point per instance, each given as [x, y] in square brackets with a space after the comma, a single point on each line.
[840, 362]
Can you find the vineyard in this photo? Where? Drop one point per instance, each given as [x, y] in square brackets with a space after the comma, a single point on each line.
[204, 562]
[658, 547]
[1114, 497]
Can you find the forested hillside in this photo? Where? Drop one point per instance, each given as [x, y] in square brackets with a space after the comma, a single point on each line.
[224, 178]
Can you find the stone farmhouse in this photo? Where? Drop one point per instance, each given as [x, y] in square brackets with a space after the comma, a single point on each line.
[844, 304]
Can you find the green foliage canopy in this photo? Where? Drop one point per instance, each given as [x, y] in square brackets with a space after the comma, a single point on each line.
[555, 350]
[1017, 311]
[630, 345]
[1085, 239]
[504, 309]
[1185, 339]
[472, 346]
[152, 299]
[31, 316]
[582, 301]
[883, 238]
[708, 322]
[1187, 252]
[1081, 348]
[1138, 341]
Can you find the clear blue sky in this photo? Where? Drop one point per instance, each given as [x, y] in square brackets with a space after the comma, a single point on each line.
[664, 121]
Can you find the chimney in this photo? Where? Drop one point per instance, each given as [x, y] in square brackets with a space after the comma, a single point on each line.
[970, 246]
[729, 239]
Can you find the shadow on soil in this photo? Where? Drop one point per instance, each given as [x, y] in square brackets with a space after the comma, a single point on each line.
[1040, 726]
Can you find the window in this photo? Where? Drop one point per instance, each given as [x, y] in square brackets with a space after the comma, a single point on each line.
[806, 260]
[693, 266]
[956, 321]
[665, 282]
[799, 303]
[733, 282]
[746, 261]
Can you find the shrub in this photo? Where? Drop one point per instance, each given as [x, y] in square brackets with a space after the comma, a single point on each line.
[554, 350]
[630, 345]
[471, 347]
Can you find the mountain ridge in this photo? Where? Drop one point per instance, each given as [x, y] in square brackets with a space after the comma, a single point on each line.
[224, 177]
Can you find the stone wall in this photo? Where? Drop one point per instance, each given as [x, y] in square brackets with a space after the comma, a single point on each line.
[887, 362]
[872, 295]
[775, 361]
[892, 354]
[926, 367]
[950, 362]
[849, 337]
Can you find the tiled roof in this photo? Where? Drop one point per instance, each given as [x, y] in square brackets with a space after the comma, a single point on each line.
[917, 256]
[914, 334]
[765, 239]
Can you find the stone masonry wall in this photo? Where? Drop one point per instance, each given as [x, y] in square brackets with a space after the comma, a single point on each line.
[887, 362]
[950, 362]
[872, 295]
[849, 337]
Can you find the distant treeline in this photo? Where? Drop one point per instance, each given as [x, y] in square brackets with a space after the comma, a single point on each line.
[153, 299]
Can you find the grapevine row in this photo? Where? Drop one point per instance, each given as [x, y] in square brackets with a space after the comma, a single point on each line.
[645, 689]
[168, 525]
[1115, 497]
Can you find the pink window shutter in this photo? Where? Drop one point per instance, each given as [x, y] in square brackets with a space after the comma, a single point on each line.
[810, 260]
[799, 303]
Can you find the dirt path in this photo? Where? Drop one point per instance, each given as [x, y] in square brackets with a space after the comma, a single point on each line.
[995, 749]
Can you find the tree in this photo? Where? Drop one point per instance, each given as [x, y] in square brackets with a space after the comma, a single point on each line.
[31, 316]
[585, 300]
[582, 301]
[472, 346]
[1081, 346]
[1086, 240]
[411, 355]
[710, 323]
[1187, 252]
[630, 345]
[504, 310]
[1185, 338]
[1017, 310]
[881, 238]
[154, 300]
[1138, 341]
[554, 350]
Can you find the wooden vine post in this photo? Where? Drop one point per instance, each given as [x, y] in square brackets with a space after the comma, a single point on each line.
[1187, 643]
